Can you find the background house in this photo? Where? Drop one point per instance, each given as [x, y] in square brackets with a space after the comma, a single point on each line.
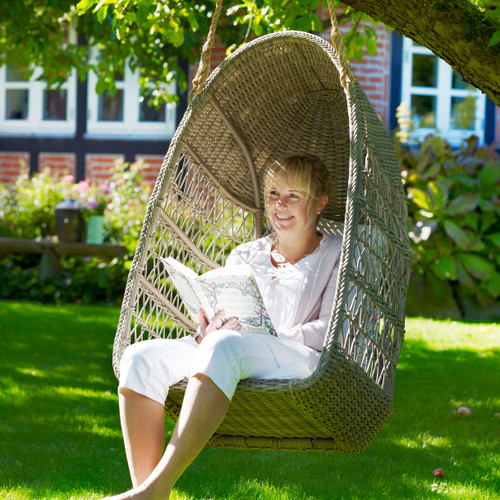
[78, 132]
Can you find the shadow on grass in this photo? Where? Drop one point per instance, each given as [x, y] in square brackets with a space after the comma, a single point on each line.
[422, 434]
[59, 425]
[60, 434]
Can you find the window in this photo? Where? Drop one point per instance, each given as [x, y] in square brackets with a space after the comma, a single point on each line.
[28, 107]
[439, 100]
[126, 113]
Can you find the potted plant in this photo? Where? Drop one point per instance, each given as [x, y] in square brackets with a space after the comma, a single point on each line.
[96, 201]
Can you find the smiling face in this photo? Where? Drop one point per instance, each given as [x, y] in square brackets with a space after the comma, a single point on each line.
[296, 190]
[289, 208]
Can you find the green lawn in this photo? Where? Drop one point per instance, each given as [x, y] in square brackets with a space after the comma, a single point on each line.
[60, 436]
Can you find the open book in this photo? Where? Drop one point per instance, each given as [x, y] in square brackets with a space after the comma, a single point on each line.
[232, 289]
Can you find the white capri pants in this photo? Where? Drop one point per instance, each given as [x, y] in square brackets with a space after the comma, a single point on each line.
[226, 356]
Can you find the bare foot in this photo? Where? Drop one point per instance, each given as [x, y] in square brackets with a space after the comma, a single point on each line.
[140, 493]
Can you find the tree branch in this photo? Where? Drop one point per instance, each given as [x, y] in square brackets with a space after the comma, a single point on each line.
[454, 30]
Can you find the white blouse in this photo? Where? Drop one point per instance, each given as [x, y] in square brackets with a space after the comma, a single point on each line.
[298, 298]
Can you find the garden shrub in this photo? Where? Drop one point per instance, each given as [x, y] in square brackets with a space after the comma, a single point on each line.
[454, 224]
[27, 210]
[27, 205]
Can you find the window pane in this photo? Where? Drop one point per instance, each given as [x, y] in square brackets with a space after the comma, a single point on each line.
[424, 70]
[424, 111]
[54, 105]
[111, 107]
[150, 113]
[16, 106]
[457, 82]
[16, 74]
[463, 112]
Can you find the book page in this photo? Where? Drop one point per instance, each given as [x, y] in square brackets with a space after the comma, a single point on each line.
[234, 290]
[182, 278]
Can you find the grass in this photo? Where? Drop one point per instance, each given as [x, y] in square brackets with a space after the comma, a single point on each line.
[60, 436]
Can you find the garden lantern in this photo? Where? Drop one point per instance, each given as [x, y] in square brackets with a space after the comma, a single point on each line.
[69, 221]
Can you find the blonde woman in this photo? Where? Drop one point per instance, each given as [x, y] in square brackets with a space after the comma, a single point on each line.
[296, 269]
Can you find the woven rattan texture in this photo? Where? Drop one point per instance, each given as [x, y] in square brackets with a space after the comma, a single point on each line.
[277, 96]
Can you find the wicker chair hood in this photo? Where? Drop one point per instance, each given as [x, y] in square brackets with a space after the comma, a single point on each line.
[277, 96]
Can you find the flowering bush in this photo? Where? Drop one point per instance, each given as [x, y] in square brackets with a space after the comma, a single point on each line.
[27, 210]
[128, 198]
[94, 198]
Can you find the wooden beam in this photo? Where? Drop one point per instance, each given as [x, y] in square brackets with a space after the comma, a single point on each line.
[17, 245]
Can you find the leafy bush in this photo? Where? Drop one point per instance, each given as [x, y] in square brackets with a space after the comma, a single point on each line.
[454, 219]
[27, 206]
[27, 210]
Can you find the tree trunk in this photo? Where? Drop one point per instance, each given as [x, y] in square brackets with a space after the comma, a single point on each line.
[453, 29]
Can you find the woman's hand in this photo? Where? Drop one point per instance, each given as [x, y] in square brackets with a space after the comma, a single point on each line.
[217, 323]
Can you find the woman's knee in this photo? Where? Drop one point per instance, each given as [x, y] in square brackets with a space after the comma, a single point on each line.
[227, 341]
[136, 355]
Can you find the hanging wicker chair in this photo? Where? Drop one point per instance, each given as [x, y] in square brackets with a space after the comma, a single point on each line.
[283, 94]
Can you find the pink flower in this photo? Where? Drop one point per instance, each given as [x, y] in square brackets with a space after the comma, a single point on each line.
[83, 186]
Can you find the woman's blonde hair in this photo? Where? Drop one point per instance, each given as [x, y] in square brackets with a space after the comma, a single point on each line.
[309, 173]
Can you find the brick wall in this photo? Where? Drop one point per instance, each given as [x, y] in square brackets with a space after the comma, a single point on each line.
[373, 73]
[60, 164]
[152, 167]
[98, 167]
[11, 164]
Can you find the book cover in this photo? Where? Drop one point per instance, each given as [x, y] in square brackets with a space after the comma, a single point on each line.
[232, 289]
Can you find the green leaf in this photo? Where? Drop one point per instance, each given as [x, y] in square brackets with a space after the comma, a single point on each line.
[477, 266]
[371, 46]
[84, 5]
[102, 13]
[489, 175]
[439, 191]
[494, 238]
[304, 23]
[193, 22]
[421, 199]
[492, 13]
[101, 86]
[358, 55]
[463, 204]
[476, 243]
[463, 276]
[445, 268]
[492, 285]
[457, 234]
[494, 39]
[316, 24]
[487, 206]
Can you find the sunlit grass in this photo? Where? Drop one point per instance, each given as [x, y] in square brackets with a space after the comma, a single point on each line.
[60, 437]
